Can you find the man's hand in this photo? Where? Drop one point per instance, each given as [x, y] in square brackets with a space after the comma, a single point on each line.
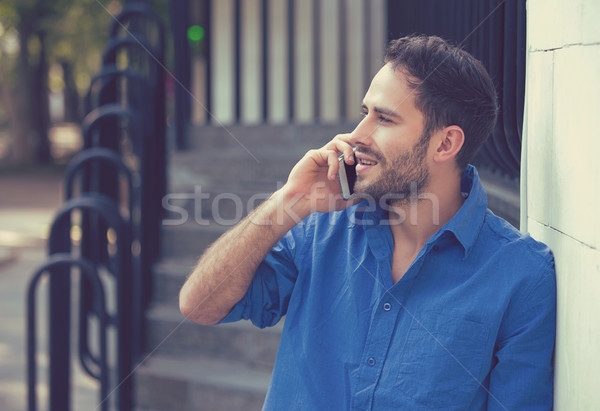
[313, 184]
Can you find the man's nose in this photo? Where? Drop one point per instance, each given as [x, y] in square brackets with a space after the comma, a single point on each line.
[363, 133]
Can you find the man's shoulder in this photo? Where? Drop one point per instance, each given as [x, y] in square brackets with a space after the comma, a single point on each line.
[516, 248]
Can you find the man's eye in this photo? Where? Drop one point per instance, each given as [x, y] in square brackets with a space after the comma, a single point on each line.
[384, 119]
[363, 113]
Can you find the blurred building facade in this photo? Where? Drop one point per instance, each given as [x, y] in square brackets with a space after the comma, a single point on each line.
[283, 62]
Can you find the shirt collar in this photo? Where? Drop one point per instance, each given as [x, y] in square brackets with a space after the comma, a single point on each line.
[467, 222]
[465, 225]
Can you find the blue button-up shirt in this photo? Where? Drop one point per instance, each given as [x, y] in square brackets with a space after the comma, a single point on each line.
[470, 326]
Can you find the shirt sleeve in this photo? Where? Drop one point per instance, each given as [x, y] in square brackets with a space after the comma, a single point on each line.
[523, 375]
[268, 295]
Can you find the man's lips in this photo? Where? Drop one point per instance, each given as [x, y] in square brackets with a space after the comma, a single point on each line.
[364, 162]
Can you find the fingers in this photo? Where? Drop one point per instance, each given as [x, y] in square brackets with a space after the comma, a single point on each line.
[333, 163]
[314, 178]
[341, 144]
[325, 158]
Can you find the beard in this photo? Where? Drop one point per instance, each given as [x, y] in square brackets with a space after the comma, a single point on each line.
[401, 178]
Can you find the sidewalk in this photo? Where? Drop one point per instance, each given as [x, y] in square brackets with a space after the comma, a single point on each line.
[28, 201]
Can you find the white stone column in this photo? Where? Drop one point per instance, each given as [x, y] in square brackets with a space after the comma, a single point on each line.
[561, 171]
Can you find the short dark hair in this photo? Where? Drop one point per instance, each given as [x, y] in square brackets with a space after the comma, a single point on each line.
[451, 88]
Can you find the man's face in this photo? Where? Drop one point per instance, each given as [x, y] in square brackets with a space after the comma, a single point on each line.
[391, 149]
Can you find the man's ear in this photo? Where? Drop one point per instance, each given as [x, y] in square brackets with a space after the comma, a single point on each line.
[449, 142]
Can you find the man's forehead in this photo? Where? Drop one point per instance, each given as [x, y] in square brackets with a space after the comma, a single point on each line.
[389, 89]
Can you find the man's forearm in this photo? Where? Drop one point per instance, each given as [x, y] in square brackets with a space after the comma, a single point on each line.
[224, 272]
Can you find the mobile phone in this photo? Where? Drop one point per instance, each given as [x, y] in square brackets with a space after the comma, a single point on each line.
[346, 177]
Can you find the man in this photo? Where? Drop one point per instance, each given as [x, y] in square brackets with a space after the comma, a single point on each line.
[417, 297]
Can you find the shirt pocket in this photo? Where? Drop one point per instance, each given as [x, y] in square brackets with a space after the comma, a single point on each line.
[443, 363]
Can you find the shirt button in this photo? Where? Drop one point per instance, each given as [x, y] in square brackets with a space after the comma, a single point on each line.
[436, 248]
[387, 306]
[371, 361]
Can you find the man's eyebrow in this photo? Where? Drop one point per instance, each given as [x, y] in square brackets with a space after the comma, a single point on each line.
[381, 110]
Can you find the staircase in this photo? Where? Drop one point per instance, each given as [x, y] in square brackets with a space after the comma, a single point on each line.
[223, 367]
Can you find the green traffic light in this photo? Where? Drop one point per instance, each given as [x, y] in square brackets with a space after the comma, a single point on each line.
[195, 33]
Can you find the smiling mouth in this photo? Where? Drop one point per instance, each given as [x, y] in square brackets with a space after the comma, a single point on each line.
[366, 162]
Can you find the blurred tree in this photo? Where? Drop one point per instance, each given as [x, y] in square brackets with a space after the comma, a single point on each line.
[79, 34]
[70, 33]
[28, 95]
[34, 35]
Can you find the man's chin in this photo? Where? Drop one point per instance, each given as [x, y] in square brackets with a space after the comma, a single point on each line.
[362, 184]
[365, 192]
[360, 188]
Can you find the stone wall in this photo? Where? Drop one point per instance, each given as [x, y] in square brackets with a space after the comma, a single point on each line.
[560, 197]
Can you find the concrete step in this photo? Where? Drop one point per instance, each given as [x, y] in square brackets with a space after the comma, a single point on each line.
[221, 185]
[170, 333]
[186, 239]
[167, 278]
[257, 155]
[212, 167]
[224, 178]
[249, 136]
[198, 384]
[221, 202]
[258, 159]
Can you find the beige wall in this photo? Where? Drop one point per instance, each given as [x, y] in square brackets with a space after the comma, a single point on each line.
[561, 196]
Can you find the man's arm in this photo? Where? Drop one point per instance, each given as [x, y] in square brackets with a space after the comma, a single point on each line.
[522, 378]
[225, 271]
[223, 274]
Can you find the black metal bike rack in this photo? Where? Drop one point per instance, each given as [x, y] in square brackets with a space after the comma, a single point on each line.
[126, 271]
[149, 62]
[59, 394]
[115, 188]
[60, 284]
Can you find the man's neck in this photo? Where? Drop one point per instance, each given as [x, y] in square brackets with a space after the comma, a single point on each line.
[416, 220]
